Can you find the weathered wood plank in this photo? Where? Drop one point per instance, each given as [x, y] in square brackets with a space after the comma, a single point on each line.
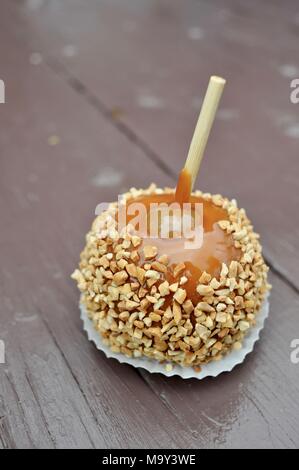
[41, 404]
[155, 70]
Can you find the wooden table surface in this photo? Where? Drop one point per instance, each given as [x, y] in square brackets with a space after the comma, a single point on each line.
[102, 95]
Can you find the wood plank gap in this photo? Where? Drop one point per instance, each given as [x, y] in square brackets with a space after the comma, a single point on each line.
[44, 321]
[281, 274]
[44, 420]
[170, 408]
[20, 407]
[79, 87]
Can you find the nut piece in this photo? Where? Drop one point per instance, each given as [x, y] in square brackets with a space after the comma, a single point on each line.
[243, 325]
[151, 299]
[155, 317]
[214, 283]
[205, 290]
[140, 274]
[150, 251]
[177, 313]
[205, 278]
[120, 278]
[183, 280]
[188, 307]
[78, 276]
[113, 292]
[224, 270]
[131, 269]
[205, 307]
[159, 267]
[178, 269]
[224, 224]
[173, 287]
[221, 317]
[151, 274]
[233, 269]
[159, 304]
[164, 288]
[180, 295]
[135, 256]
[220, 307]
[135, 241]
[163, 259]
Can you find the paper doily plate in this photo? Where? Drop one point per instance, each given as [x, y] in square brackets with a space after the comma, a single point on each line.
[212, 369]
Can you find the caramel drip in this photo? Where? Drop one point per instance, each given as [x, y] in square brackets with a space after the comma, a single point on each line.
[183, 189]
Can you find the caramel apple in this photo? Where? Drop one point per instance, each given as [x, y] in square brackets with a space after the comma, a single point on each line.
[186, 307]
[160, 296]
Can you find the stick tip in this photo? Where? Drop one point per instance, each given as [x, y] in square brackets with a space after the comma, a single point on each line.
[218, 80]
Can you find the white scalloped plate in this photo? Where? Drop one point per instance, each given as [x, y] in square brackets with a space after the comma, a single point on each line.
[212, 369]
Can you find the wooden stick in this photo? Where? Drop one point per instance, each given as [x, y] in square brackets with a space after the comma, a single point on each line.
[203, 126]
